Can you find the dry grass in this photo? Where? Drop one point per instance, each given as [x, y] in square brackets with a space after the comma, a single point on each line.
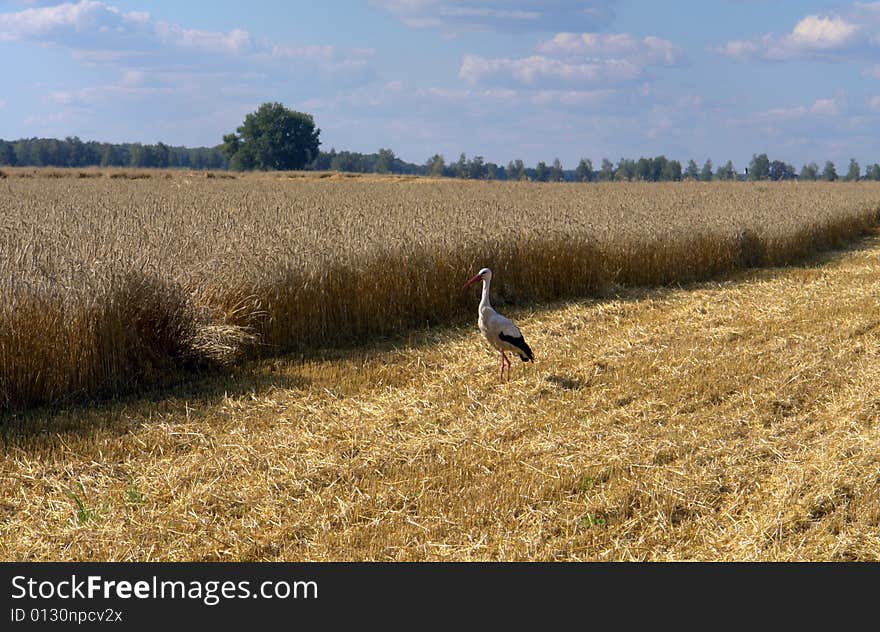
[729, 420]
[118, 283]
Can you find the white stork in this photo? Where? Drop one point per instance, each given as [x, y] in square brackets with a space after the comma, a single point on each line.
[500, 332]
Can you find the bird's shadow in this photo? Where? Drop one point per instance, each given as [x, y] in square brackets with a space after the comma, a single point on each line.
[568, 383]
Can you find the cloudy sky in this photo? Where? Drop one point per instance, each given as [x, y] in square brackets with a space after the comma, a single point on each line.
[536, 80]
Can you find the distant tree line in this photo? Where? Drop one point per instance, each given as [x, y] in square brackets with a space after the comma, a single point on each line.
[477, 168]
[761, 168]
[73, 152]
[657, 169]
[383, 161]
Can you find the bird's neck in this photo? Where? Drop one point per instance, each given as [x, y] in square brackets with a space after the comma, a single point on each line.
[484, 302]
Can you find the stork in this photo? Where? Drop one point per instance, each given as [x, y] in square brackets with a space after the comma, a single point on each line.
[500, 332]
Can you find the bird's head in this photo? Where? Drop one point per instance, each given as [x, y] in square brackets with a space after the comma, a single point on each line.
[483, 275]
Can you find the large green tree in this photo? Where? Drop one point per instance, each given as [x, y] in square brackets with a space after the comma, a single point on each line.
[477, 168]
[852, 174]
[810, 172]
[385, 161]
[625, 171]
[780, 170]
[516, 170]
[644, 169]
[7, 154]
[726, 172]
[759, 168]
[460, 168]
[436, 165]
[829, 173]
[706, 173]
[273, 137]
[542, 173]
[606, 171]
[584, 171]
[672, 171]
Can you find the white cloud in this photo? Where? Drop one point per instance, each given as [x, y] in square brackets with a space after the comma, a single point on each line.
[825, 107]
[537, 71]
[131, 78]
[100, 33]
[68, 23]
[824, 32]
[853, 34]
[504, 15]
[235, 42]
[44, 120]
[874, 103]
[571, 98]
[33, 3]
[873, 72]
[820, 108]
[94, 57]
[558, 98]
[648, 50]
[130, 85]
[739, 49]
[96, 26]
[574, 60]
[467, 96]
[312, 53]
[328, 57]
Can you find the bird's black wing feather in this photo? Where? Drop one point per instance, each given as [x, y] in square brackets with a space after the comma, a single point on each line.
[525, 353]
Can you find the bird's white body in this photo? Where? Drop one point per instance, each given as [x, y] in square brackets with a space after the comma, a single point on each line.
[499, 331]
[492, 325]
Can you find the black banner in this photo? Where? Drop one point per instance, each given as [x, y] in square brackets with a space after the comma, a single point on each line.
[233, 595]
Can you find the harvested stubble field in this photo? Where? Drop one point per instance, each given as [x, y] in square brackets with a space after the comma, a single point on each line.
[734, 419]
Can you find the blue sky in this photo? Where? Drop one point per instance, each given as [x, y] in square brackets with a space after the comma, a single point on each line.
[504, 79]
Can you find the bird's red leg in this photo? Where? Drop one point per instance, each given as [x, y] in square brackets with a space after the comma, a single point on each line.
[504, 361]
[502, 366]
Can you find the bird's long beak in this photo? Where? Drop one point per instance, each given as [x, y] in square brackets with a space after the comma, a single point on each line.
[472, 281]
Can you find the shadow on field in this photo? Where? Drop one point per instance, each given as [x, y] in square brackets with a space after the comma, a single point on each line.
[567, 383]
[124, 413]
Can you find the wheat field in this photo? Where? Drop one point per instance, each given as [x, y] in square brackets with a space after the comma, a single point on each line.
[734, 419]
[118, 281]
[276, 367]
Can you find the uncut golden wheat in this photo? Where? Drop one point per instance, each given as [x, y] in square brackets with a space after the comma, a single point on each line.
[119, 280]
